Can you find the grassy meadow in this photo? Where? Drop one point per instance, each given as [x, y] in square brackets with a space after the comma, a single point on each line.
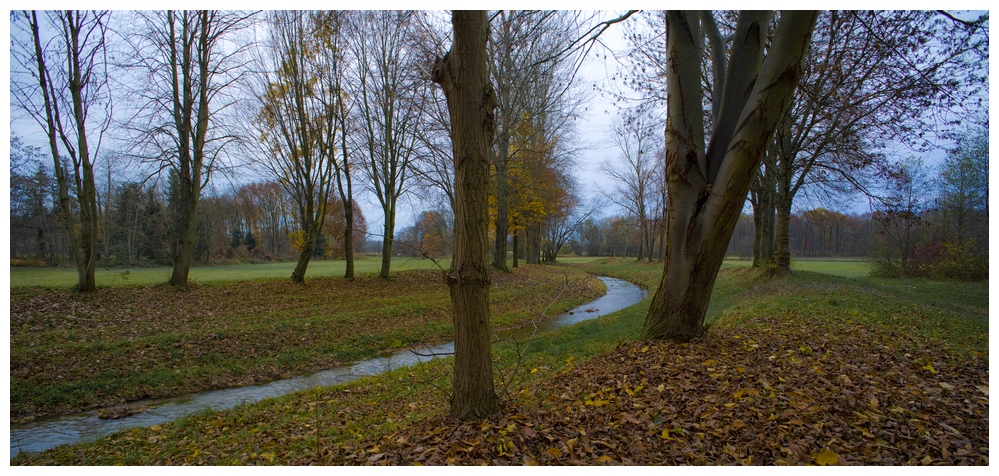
[65, 277]
[814, 368]
[72, 351]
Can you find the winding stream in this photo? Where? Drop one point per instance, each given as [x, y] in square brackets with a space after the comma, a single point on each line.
[42, 434]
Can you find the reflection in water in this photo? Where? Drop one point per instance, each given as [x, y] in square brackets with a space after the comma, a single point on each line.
[43, 434]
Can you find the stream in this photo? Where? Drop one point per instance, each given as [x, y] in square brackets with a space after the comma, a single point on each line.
[45, 433]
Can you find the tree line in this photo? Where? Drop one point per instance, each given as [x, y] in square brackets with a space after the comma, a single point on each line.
[254, 222]
[326, 105]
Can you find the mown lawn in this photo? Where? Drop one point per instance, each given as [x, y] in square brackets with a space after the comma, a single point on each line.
[808, 369]
[114, 277]
[72, 351]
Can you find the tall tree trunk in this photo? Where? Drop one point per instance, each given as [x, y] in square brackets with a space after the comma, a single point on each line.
[783, 240]
[463, 75]
[532, 247]
[763, 220]
[348, 242]
[305, 256]
[388, 238]
[708, 185]
[186, 233]
[502, 202]
[516, 236]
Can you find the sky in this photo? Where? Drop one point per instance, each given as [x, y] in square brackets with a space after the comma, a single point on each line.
[592, 128]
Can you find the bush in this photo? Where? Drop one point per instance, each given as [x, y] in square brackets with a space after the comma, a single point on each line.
[259, 253]
[27, 263]
[242, 253]
[959, 261]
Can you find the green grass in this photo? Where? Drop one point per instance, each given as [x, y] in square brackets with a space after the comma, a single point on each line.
[845, 267]
[108, 277]
[313, 426]
[72, 351]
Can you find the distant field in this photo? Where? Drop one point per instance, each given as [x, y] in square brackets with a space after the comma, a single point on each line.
[66, 277]
[844, 267]
[106, 277]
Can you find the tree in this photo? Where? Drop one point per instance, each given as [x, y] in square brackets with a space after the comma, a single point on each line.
[335, 229]
[299, 126]
[636, 174]
[333, 29]
[900, 219]
[707, 183]
[188, 63]
[566, 215]
[388, 111]
[963, 186]
[463, 75]
[31, 203]
[871, 77]
[79, 84]
[524, 53]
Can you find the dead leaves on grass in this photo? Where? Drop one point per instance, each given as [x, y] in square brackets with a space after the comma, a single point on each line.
[124, 344]
[737, 396]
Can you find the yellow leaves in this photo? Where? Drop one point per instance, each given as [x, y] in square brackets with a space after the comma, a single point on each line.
[269, 456]
[604, 459]
[929, 367]
[631, 392]
[826, 458]
[946, 386]
[554, 452]
[662, 387]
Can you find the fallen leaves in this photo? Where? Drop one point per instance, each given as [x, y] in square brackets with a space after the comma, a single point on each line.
[802, 396]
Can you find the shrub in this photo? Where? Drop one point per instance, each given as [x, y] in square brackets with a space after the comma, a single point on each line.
[959, 261]
[241, 253]
[27, 263]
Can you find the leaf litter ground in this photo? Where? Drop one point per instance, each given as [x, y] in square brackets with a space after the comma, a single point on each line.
[798, 372]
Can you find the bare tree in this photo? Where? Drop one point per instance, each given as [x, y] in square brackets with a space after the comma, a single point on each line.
[186, 64]
[388, 95]
[334, 28]
[707, 183]
[635, 174]
[463, 75]
[300, 125]
[70, 73]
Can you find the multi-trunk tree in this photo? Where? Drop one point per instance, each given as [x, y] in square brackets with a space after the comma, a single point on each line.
[707, 181]
[70, 88]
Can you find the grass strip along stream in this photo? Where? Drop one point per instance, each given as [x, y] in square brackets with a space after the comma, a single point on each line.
[809, 369]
